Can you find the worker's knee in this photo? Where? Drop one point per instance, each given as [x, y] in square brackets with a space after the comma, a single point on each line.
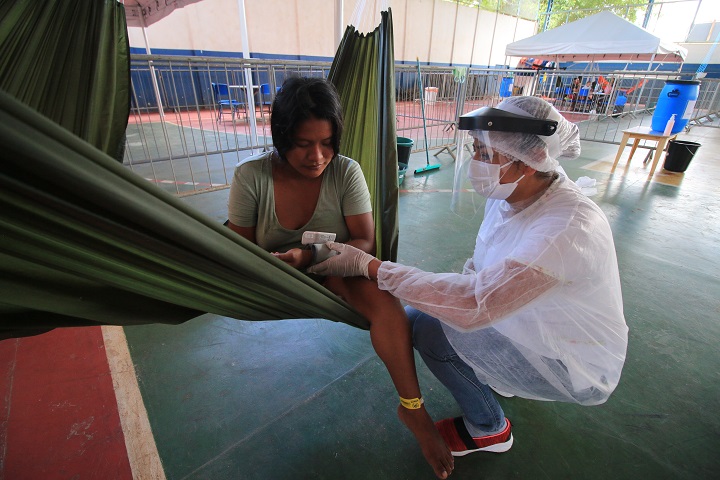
[426, 330]
[367, 298]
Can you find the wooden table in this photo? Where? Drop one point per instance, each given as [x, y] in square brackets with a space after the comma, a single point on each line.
[643, 133]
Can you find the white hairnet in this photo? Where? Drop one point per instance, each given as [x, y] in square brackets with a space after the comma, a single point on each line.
[537, 151]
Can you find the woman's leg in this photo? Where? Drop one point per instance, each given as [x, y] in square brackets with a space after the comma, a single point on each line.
[391, 339]
[483, 414]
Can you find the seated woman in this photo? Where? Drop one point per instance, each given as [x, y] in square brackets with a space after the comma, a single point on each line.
[305, 185]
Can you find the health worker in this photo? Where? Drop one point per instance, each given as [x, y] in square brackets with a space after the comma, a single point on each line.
[537, 311]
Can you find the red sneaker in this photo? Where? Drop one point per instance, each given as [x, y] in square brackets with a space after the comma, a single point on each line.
[461, 443]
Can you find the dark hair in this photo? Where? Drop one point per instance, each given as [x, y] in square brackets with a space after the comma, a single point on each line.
[298, 100]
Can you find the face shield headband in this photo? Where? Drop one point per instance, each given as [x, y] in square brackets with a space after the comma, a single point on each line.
[494, 119]
[479, 123]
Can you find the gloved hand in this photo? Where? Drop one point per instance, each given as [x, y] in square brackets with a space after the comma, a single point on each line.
[351, 262]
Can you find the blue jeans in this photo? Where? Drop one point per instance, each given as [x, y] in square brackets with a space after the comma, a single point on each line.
[476, 400]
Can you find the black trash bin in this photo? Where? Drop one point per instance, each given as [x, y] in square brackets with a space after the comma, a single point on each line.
[679, 154]
[404, 146]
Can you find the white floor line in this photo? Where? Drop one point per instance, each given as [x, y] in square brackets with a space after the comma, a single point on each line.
[597, 163]
[142, 452]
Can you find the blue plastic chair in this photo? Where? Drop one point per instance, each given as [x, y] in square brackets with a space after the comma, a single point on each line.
[620, 102]
[582, 98]
[221, 90]
[265, 95]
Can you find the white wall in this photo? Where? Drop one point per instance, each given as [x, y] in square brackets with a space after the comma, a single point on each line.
[698, 51]
[432, 30]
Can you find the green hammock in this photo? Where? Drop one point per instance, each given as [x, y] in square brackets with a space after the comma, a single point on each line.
[69, 60]
[363, 71]
[85, 241]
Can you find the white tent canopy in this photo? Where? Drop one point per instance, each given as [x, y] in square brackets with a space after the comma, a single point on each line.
[603, 36]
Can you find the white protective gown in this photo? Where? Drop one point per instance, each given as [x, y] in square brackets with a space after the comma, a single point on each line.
[538, 310]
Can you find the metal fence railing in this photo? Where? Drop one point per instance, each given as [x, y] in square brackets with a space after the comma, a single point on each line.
[707, 107]
[178, 138]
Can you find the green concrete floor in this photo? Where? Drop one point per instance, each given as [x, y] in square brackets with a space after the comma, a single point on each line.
[308, 399]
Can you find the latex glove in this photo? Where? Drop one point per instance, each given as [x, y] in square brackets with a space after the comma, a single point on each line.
[352, 262]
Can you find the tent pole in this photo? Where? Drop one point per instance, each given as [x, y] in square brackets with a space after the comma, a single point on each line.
[161, 109]
[472, 50]
[497, 9]
[249, 91]
[694, 18]
[339, 31]
[452, 44]
[430, 43]
[155, 85]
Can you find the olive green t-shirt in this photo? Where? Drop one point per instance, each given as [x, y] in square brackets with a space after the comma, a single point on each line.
[252, 202]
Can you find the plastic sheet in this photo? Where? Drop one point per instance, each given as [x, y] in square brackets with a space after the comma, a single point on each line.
[544, 280]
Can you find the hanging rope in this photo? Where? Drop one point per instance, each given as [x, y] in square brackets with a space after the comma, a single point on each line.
[367, 14]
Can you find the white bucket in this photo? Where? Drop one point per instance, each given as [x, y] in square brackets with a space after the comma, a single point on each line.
[431, 94]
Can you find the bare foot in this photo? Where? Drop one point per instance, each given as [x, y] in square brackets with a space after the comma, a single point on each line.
[433, 447]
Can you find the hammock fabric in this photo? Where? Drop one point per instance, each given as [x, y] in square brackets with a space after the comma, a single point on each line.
[363, 71]
[85, 241]
[69, 60]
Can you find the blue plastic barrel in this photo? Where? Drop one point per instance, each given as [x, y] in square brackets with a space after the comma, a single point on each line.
[506, 87]
[678, 97]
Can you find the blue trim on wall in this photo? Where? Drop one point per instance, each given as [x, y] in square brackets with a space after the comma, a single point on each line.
[186, 53]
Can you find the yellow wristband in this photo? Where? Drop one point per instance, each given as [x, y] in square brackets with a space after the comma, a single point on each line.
[411, 403]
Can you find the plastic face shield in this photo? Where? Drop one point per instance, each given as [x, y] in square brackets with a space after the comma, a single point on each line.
[475, 128]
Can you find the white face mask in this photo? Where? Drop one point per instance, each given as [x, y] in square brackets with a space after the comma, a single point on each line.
[485, 179]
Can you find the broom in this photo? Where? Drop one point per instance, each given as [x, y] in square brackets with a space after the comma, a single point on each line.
[427, 167]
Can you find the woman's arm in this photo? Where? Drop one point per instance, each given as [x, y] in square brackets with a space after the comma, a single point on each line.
[362, 231]
[362, 236]
[294, 257]
[247, 232]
